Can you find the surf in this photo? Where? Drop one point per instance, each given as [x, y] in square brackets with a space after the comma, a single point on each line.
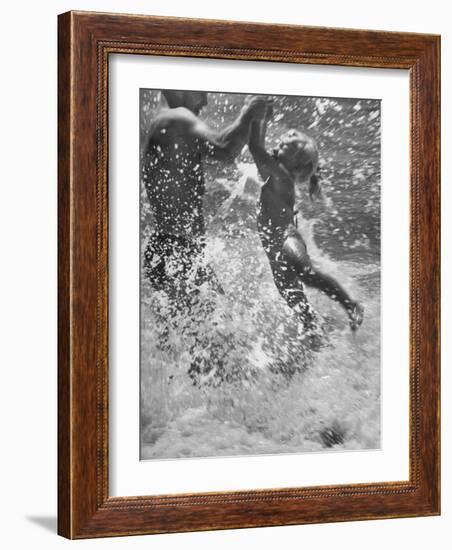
[274, 395]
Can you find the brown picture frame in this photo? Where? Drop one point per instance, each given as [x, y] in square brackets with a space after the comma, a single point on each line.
[85, 41]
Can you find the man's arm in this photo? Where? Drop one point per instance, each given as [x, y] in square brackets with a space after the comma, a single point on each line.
[222, 145]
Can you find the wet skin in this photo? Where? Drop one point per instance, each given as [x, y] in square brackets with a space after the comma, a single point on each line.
[172, 170]
[178, 142]
[174, 258]
[295, 158]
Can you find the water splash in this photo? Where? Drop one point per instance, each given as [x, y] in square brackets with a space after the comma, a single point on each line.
[282, 397]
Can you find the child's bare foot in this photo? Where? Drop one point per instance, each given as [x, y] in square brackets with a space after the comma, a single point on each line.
[356, 316]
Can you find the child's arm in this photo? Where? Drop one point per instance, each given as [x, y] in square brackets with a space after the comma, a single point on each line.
[266, 164]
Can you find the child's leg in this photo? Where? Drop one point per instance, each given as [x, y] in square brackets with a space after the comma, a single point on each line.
[291, 289]
[296, 255]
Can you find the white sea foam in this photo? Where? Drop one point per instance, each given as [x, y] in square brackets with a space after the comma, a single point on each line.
[288, 399]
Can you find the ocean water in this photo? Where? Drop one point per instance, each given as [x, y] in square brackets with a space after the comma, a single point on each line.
[278, 395]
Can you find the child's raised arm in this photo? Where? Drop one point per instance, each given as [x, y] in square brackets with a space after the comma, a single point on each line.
[266, 164]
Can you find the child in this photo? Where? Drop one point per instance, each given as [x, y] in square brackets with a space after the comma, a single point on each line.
[295, 158]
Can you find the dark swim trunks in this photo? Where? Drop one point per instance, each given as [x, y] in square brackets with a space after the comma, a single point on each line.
[177, 264]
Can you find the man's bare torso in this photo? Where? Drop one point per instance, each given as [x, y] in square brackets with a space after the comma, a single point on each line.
[174, 180]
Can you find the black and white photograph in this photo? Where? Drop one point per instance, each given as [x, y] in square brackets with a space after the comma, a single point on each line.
[260, 274]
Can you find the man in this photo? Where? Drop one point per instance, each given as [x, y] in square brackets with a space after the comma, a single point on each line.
[174, 261]
[177, 143]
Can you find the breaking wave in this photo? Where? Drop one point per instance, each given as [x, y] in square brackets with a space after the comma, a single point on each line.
[274, 395]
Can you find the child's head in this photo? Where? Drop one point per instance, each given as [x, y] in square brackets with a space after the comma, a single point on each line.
[298, 153]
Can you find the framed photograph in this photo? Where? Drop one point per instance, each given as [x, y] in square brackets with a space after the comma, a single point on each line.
[249, 261]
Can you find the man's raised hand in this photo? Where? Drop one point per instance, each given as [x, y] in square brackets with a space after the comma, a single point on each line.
[255, 107]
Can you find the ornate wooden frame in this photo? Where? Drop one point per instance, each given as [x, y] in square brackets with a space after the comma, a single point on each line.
[84, 44]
